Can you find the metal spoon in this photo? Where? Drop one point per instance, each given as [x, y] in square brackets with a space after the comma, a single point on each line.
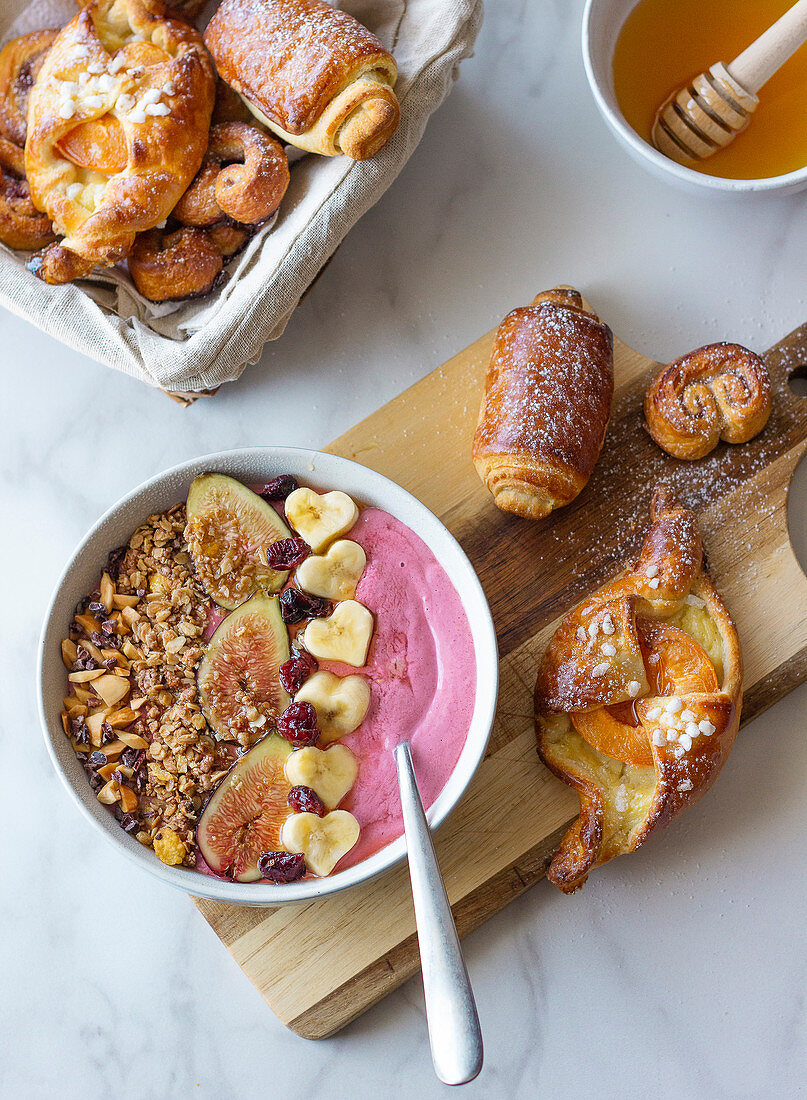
[454, 1034]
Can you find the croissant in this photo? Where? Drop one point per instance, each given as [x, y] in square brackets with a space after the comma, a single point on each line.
[721, 391]
[308, 71]
[638, 697]
[546, 404]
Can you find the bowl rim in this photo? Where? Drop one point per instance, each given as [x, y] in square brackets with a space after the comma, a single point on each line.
[451, 557]
[619, 124]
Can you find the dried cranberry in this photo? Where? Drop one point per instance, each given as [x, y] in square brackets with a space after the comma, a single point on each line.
[298, 723]
[281, 866]
[306, 801]
[279, 487]
[286, 553]
[114, 562]
[295, 671]
[295, 606]
[96, 759]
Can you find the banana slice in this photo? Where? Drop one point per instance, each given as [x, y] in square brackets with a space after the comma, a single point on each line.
[320, 519]
[322, 840]
[341, 703]
[344, 636]
[333, 575]
[330, 772]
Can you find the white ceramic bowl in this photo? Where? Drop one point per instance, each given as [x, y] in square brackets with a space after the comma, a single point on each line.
[254, 465]
[602, 22]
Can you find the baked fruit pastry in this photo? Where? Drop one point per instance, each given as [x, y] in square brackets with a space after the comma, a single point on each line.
[117, 128]
[310, 72]
[546, 404]
[638, 697]
[721, 391]
[20, 62]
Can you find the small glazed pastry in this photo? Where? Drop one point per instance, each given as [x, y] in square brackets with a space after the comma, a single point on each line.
[721, 391]
[20, 62]
[546, 404]
[182, 263]
[638, 697]
[21, 224]
[117, 127]
[311, 73]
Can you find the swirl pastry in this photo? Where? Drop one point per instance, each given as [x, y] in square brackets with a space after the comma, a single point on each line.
[308, 71]
[20, 62]
[546, 404]
[117, 127]
[21, 224]
[721, 391]
[184, 262]
[638, 697]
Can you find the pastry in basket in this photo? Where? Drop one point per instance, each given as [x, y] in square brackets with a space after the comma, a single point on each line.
[310, 72]
[20, 62]
[185, 262]
[546, 404]
[638, 697]
[117, 127]
[721, 391]
[21, 224]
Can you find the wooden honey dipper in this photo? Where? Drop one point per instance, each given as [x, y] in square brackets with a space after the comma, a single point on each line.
[708, 112]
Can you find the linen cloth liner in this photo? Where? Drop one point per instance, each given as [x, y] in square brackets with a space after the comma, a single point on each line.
[199, 344]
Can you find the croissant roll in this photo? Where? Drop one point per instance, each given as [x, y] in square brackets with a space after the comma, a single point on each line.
[721, 391]
[308, 71]
[546, 404]
[638, 697]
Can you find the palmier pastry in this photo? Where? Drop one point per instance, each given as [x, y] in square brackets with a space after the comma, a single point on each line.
[20, 62]
[546, 404]
[308, 71]
[117, 127]
[638, 697]
[721, 391]
[21, 224]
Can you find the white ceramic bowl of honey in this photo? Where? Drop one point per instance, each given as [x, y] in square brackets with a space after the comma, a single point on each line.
[603, 22]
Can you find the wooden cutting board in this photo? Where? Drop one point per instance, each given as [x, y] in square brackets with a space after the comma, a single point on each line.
[315, 981]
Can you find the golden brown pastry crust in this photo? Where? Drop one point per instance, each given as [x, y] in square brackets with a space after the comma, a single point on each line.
[622, 804]
[546, 404]
[20, 62]
[310, 72]
[21, 224]
[183, 263]
[141, 78]
[720, 391]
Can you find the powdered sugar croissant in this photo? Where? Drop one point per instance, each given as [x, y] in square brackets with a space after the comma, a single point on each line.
[721, 391]
[638, 697]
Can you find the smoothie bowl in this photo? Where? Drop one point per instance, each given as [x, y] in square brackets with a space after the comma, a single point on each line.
[231, 656]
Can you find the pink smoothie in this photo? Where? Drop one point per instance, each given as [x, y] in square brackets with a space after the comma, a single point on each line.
[422, 674]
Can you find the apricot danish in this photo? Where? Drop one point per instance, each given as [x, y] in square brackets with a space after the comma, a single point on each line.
[118, 124]
[20, 62]
[21, 224]
[721, 391]
[638, 697]
[244, 176]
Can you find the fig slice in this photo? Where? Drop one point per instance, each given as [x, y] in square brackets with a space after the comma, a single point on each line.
[240, 671]
[229, 530]
[244, 816]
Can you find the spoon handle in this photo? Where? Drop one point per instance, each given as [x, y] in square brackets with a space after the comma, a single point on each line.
[757, 64]
[454, 1033]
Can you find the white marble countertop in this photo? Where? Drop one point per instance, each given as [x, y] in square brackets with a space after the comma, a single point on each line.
[677, 972]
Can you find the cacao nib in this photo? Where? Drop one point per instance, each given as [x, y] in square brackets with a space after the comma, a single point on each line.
[97, 608]
[282, 866]
[96, 759]
[114, 562]
[109, 663]
[279, 487]
[298, 723]
[286, 553]
[79, 731]
[295, 606]
[128, 758]
[108, 627]
[304, 800]
[108, 639]
[128, 822]
[108, 735]
[295, 671]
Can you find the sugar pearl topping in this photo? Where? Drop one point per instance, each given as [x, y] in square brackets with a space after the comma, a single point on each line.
[673, 705]
[609, 650]
[593, 627]
[651, 571]
[685, 785]
[706, 727]
[600, 669]
[634, 687]
[608, 625]
[653, 582]
[658, 738]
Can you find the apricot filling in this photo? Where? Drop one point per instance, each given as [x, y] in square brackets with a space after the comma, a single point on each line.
[99, 143]
[676, 665]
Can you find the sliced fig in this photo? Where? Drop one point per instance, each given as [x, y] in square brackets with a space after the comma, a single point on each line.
[229, 530]
[244, 815]
[239, 675]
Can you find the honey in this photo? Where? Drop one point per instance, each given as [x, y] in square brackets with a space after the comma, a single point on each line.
[665, 43]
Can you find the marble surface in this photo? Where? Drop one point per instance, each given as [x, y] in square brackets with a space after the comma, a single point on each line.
[680, 971]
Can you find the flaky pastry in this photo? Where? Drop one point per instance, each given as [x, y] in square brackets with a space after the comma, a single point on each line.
[310, 72]
[117, 127]
[721, 391]
[546, 404]
[638, 697]
[20, 62]
[21, 224]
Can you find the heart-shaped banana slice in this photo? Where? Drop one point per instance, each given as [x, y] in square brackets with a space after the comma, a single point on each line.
[344, 636]
[335, 574]
[329, 772]
[341, 702]
[320, 519]
[322, 840]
